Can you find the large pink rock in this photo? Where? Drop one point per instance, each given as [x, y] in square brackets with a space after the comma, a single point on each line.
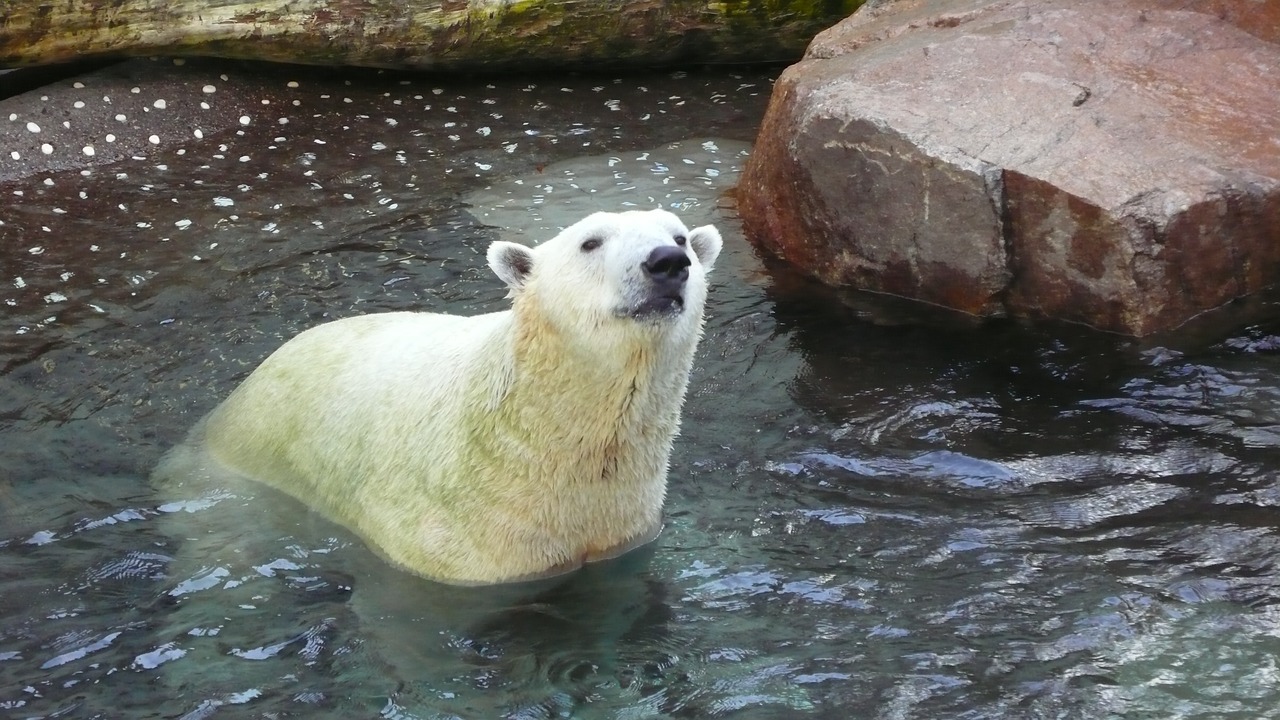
[1112, 162]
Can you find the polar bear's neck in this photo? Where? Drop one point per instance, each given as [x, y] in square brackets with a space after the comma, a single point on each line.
[574, 452]
[617, 400]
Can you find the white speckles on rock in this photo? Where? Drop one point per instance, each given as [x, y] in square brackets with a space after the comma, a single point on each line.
[485, 141]
[78, 85]
[46, 148]
[79, 104]
[292, 84]
[32, 127]
[54, 297]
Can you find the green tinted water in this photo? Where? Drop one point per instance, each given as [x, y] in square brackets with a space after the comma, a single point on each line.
[873, 511]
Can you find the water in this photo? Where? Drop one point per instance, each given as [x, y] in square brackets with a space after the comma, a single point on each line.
[875, 511]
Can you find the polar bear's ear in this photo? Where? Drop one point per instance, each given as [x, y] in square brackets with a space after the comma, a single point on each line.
[706, 244]
[512, 263]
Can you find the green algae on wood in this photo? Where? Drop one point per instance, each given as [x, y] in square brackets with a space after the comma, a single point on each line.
[421, 34]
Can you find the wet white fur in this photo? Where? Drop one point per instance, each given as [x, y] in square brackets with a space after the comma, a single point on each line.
[500, 447]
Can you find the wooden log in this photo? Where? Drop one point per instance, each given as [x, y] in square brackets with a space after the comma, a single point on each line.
[421, 34]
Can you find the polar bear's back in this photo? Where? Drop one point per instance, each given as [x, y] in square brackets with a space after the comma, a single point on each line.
[368, 387]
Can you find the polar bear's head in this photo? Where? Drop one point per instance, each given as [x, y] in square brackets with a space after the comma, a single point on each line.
[638, 268]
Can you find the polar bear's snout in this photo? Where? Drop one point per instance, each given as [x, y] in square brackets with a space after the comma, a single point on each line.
[667, 269]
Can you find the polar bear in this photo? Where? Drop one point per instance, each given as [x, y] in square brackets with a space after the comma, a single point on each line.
[495, 448]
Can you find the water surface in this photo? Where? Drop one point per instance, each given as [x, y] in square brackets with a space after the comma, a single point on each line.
[874, 511]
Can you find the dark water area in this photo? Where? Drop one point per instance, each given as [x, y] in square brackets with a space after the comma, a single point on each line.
[875, 509]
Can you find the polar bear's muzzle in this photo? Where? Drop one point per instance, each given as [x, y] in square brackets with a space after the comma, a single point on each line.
[667, 271]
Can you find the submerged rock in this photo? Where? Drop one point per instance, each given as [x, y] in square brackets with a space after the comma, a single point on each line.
[1113, 163]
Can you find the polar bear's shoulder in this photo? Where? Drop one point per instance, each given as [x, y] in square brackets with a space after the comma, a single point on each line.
[400, 333]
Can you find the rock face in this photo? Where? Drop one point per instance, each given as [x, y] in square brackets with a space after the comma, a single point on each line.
[470, 35]
[1111, 162]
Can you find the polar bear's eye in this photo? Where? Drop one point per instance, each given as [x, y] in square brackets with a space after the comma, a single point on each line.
[591, 244]
[680, 240]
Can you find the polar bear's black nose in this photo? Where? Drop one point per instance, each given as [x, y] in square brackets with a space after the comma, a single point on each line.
[667, 265]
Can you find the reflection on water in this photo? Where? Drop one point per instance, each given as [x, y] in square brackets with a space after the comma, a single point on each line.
[871, 510]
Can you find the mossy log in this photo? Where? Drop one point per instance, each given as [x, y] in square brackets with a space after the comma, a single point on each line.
[420, 34]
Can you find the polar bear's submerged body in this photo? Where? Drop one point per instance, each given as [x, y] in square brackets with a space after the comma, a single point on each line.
[502, 447]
